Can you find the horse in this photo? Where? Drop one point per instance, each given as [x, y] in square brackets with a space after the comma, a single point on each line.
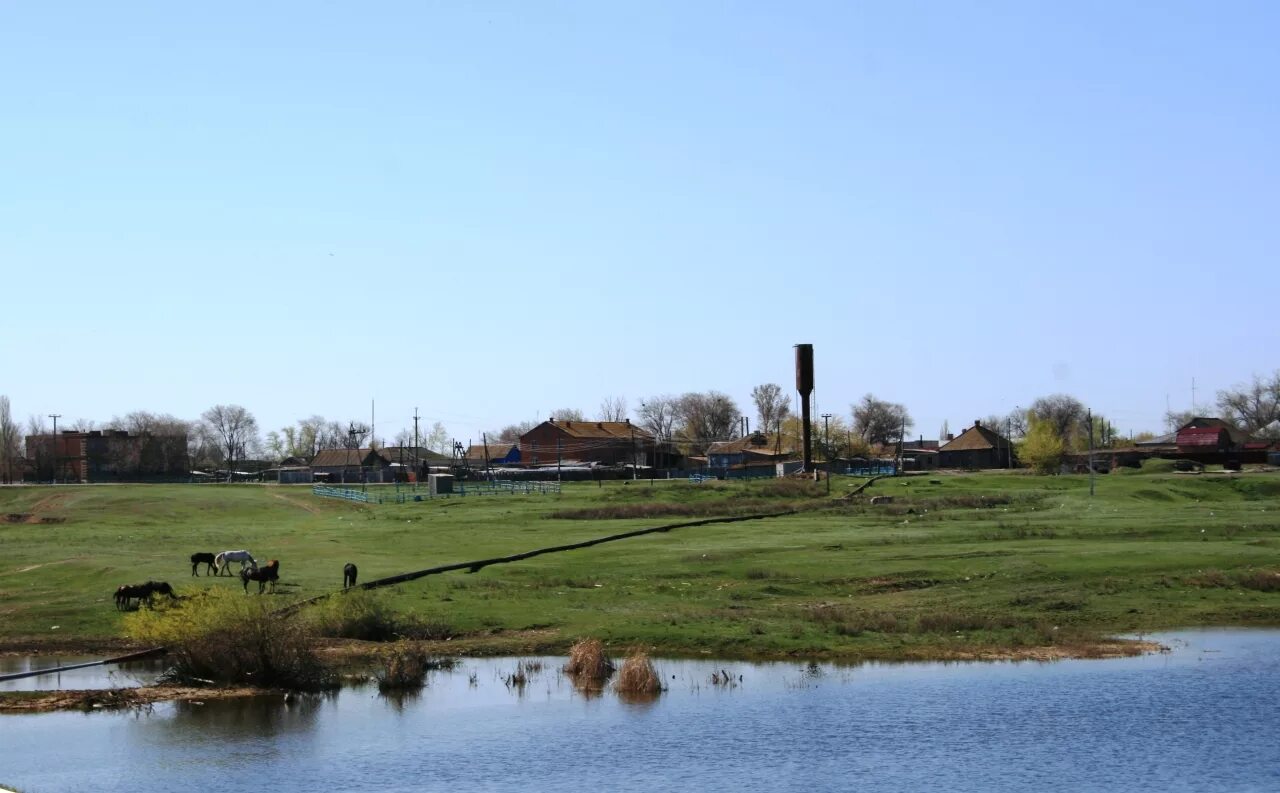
[142, 592]
[348, 575]
[198, 558]
[268, 573]
[223, 561]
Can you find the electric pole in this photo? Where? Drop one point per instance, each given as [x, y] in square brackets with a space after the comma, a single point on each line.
[416, 466]
[55, 417]
[1090, 414]
[826, 444]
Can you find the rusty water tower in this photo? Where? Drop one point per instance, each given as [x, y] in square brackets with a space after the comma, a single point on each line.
[804, 384]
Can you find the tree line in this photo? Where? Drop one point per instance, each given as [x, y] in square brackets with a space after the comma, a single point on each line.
[1056, 424]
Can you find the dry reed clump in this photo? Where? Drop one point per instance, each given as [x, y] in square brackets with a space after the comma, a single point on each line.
[588, 662]
[223, 638]
[638, 678]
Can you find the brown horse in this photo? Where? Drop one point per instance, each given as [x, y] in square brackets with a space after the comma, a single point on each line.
[263, 575]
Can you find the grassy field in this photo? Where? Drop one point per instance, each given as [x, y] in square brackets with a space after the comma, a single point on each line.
[957, 565]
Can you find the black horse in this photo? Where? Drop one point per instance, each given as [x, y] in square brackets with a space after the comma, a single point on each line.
[197, 558]
[348, 575]
[142, 593]
[263, 575]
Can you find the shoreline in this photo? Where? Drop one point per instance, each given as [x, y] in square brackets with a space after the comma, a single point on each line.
[340, 654]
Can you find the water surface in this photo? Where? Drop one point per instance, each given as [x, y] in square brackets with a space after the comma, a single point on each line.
[1202, 718]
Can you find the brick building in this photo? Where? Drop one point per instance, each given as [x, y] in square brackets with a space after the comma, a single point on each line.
[599, 442]
[106, 456]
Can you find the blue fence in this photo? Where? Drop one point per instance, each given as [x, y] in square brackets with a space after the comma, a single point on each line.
[875, 470]
[404, 495]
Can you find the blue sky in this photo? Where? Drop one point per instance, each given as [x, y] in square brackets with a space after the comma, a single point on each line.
[492, 210]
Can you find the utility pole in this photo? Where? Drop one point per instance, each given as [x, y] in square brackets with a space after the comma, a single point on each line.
[826, 432]
[634, 473]
[1090, 451]
[488, 472]
[557, 461]
[55, 417]
[417, 467]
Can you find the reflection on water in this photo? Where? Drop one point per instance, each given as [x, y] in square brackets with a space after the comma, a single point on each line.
[134, 673]
[1200, 718]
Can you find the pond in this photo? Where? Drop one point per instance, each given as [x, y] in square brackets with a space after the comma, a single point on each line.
[1202, 717]
[134, 673]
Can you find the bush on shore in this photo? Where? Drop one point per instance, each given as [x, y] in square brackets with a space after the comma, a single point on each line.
[221, 637]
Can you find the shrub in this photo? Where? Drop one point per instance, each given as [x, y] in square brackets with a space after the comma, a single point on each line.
[1261, 580]
[404, 670]
[358, 614]
[222, 637]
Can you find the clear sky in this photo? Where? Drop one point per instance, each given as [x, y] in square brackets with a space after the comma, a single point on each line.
[492, 210]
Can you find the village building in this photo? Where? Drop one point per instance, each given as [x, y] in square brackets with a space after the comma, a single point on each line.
[976, 448]
[106, 456]
[501, 453]
[758, 450]
[586, 442]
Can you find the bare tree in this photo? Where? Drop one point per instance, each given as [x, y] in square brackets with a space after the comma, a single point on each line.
[10, 442]
[658, 415]
[40, 448]
[438, 441]
[568, 414]
[83, 425]
[510, 434]
[236, 431]
[613, 408]
[703, 418]
[771, 406]
[1175, 420]
[877, 421]
[1253, 406]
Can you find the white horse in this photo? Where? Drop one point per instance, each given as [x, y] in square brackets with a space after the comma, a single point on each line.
[223, 561]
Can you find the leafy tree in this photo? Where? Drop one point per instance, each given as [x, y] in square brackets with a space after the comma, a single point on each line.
[1064, 413]
[1042, 448]
[879, 422]
[771, 406]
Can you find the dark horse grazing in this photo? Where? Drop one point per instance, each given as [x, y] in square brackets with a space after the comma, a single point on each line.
[142, 592]
[271, 573]
[206, 558]
[348, 575]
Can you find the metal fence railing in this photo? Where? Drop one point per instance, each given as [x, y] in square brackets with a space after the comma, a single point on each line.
[460, 489]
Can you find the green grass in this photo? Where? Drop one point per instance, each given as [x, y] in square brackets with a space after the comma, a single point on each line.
[975, 561]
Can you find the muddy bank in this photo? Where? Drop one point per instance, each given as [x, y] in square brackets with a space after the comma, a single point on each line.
[119, 698]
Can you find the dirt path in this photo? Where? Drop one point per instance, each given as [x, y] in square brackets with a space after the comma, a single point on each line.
[299, 504]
